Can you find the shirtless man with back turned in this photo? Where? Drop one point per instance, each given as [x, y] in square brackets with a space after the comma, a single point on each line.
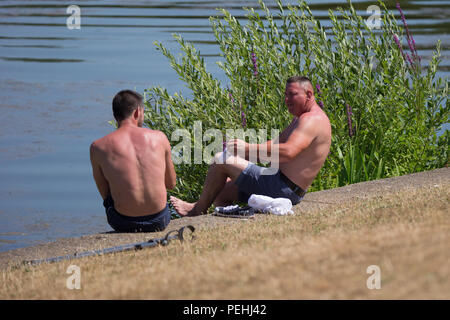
[302, 147]
[133, 169]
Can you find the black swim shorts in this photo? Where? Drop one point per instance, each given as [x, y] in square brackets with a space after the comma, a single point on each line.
[253, 181]
[150, 223]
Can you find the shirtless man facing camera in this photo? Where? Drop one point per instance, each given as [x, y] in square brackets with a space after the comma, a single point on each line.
[302, 149]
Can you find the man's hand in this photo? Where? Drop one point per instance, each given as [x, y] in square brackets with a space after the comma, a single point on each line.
[237, 147]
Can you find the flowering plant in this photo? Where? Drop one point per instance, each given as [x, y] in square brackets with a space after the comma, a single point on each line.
[385, 108]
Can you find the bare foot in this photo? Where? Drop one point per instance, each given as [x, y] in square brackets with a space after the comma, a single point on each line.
[183, 208]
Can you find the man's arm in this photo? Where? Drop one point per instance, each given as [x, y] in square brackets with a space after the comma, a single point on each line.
[301, 137]
[250, 152]
[298, 140]
[170, 175]
[100, 180]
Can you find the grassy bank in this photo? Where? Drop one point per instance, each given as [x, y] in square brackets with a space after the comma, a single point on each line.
[320, 255]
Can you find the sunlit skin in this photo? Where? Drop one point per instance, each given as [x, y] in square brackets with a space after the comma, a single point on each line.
[133, 164]
[303, 147]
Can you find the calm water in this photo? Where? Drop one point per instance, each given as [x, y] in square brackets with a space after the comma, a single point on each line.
[56, 87]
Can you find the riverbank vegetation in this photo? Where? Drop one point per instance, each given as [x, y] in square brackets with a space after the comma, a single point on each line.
[386, 106]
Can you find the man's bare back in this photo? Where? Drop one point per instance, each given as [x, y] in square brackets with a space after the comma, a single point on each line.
[133, 161]
[132, 166]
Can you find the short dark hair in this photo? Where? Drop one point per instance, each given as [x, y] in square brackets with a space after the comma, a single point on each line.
[303, 81]
[299, 79]
[124, 104]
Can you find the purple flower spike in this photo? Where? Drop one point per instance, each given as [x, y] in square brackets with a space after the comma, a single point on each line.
[397, 41]
[318, 89]
[231, 97]
[409, 60]
[411, 42]
[411, 47]
[320, 104]
[255, 64]
[319, 93]
[349, 120]
[243, 119]
[349, 109]
[401, 14]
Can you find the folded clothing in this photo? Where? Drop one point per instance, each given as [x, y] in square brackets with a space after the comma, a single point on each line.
[277, 206]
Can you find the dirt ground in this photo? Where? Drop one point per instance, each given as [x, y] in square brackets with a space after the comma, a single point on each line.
[362, 192]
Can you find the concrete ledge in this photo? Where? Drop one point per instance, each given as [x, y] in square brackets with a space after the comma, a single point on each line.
[316, 200]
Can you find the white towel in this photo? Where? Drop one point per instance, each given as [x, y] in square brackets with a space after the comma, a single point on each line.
[278, 206]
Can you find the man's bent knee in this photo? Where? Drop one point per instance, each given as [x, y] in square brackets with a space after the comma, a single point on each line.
[219, 158]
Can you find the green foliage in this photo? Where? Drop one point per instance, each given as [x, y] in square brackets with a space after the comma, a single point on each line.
[397, 106]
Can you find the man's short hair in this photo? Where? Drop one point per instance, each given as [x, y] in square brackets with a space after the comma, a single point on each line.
[305, 82]
[124, 104]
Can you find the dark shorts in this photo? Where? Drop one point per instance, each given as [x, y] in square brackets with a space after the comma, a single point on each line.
[251, 181]
[121, 223]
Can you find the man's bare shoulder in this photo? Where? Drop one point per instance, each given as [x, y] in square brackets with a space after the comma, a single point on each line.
[97, 148]
[97, 144]
[314, 124]
[154, 134]
[101, 142]
[323, 120]
[313, 117]
[156, 137]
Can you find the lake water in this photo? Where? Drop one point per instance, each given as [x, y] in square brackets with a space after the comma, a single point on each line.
[56, 87]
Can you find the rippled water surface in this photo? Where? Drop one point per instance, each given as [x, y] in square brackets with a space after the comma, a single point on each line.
[56, 87]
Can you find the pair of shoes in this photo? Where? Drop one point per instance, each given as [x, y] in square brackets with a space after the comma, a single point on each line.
[235, 212]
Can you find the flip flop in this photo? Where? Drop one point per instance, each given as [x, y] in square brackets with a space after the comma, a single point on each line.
[235, 212]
